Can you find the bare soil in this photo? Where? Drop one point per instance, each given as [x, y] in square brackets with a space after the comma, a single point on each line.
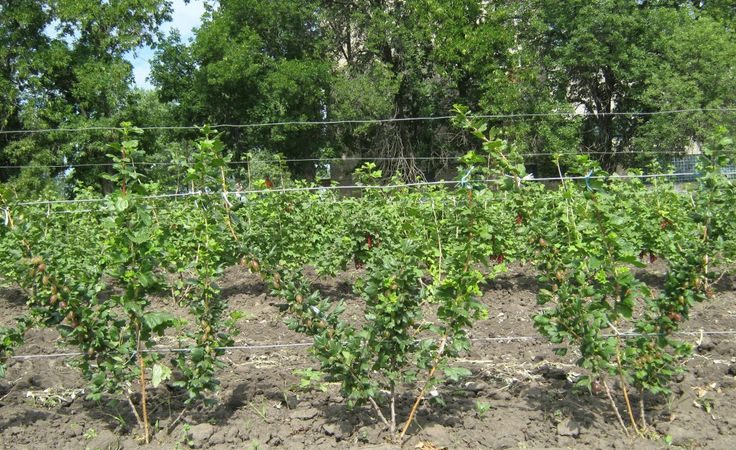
[520, 394]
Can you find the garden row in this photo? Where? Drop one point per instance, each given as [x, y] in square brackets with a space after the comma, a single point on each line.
[96, 272]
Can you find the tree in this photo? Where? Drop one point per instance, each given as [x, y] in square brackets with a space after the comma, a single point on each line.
[254, 62]
[62, 64]
[694, 70]
[417, 58]
[251, 62]
[609, 57]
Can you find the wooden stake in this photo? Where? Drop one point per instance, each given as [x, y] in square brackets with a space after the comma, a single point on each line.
[420, 396]
[144, 407]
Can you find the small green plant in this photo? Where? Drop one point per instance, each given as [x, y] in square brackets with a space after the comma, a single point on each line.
[368, 174]
[254, 445]
[587, 263]
[481, 408]
[10, 338]
[186, 437]
[261, 410]
[558, 416]
[89, 434]
[104, 305]
[310, 379]
[703, 400]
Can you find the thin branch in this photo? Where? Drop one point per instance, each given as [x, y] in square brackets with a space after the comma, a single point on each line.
[393, 411]
[642, 413]
[420, 396]
[378, 411]
[172, 425]
[625, 391]
[11, 389]
[135, 411]
[144, 406]
[615, 408]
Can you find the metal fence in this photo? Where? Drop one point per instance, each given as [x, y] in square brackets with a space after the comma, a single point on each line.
[687, 165]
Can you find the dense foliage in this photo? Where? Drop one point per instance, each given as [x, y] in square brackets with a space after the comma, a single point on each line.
[62, 64]
[422, 255]
[127, 221]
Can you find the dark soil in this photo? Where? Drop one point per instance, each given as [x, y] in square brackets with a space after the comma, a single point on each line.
[520, 394]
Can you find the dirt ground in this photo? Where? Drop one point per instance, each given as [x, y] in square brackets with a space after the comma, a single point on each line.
[519, 396]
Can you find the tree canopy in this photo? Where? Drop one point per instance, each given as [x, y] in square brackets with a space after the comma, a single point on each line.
[63, 65]
[576, 69]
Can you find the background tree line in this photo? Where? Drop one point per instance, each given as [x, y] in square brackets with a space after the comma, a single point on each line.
[62, 65]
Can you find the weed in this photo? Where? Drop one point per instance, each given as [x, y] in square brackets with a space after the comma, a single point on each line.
[261, 410]
[90, 434]
[481, 408]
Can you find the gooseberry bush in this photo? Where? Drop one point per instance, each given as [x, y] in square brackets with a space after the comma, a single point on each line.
[99, 277]
[589, 240]
[419, 291]
[108, 272]
[422, 253]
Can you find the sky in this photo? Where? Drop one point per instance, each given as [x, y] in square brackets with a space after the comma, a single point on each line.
[184, 18]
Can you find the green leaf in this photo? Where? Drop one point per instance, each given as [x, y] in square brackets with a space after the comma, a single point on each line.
[140, 236]
[348, 357]
[146, 279]
[160, 373]
[633, 260]
[158, 321]
[625, 308]
[197, 354]
[584, 381]
[121, 204]
[456, 373]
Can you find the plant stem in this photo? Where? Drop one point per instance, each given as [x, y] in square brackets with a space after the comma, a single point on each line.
[123, 187]
[135, 411]
[439, 243]
[226, 204]
[642, 413]
[144, 407]
[420, 396]
[9, 218]
[620, 368]
[11, 389]
[378, 411]
[171, 426]
[393, 410]
[248, 156]
[624, 390]
[261, 412]
[615, 408]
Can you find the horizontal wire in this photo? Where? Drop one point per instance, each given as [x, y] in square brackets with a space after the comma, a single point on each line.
[276, 346]
[615, 176]
[358, 158]
[242, 192]
[168, 350]
[364, 187]
[380, 121]
[74, 211]
[626, 334]
[102, 199]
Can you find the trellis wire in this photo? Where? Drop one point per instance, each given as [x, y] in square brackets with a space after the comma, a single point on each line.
[380, 121]
[358, 187]
[277, 346]
[356, 158]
